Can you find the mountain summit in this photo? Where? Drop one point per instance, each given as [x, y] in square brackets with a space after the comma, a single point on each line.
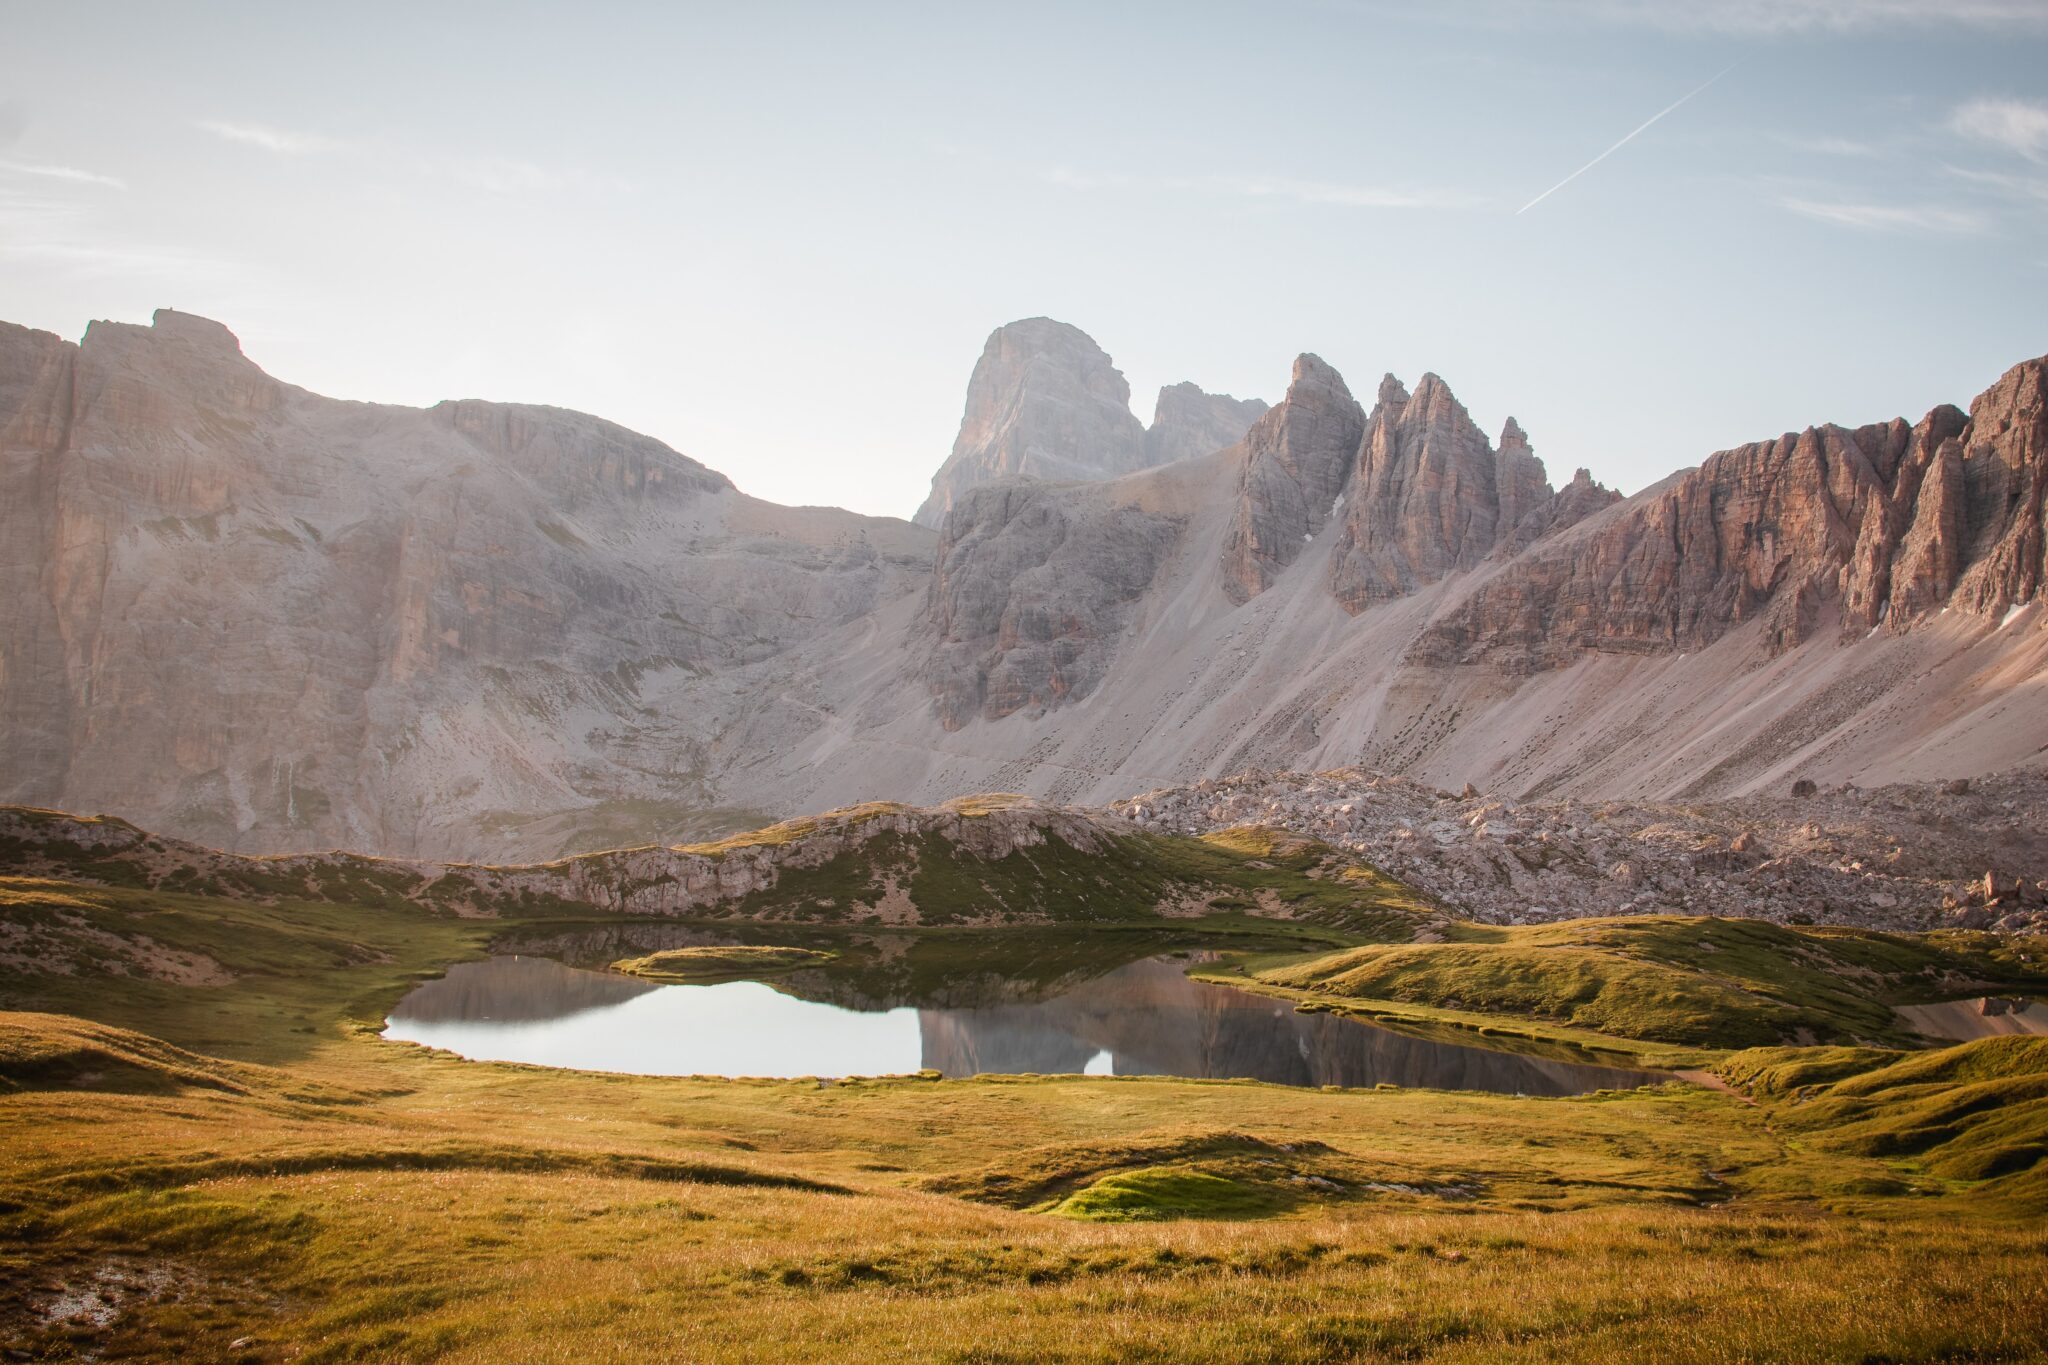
[1045, 402]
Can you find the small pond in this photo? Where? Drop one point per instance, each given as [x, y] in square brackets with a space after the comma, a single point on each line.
[1143, 1018]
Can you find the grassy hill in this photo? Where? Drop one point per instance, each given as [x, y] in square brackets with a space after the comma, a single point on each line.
[1694, 983]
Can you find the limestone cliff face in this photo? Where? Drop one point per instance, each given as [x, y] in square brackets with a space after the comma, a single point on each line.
[1424, 500]
[1186, 422]
[1032, 585]
[1431, 497]
[1828, 529]
[270, 619]
[1527, 510]
[1422, 493]
[2003, 488]
[1296, 461]
[36, 375]
[1045, 402]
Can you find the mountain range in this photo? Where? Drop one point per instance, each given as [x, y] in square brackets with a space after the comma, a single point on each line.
[242, 613]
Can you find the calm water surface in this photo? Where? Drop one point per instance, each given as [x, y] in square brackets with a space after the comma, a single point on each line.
[1143, 1019]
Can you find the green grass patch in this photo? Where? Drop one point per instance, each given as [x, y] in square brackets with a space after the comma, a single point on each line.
[1699, 982]
[1974, 1115]
[1162, 1192]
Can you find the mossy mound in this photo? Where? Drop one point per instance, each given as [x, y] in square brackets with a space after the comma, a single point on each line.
[1158, 1193]
[731, 963]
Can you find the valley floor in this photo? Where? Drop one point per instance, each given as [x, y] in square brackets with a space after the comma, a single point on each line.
[241, 1169]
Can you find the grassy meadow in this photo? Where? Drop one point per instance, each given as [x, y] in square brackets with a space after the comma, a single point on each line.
[206, 1152]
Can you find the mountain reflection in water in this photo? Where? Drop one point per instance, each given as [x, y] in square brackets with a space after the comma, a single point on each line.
[1148, 1017]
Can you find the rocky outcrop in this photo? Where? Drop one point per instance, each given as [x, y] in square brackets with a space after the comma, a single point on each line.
[1187, 422]
[1045, 402]
[1828, 529]
[708, 877]
[1032, 586]
[1295, 463]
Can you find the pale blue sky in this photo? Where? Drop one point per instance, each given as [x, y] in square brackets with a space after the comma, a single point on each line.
[776, 236]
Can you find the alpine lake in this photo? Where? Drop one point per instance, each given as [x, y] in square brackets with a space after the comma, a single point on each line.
[1019, 1002]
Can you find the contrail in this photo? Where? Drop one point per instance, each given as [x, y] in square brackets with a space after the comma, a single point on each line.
[1625, 141]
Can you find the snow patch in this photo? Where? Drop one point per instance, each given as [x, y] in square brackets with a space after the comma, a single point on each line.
[2012, 613]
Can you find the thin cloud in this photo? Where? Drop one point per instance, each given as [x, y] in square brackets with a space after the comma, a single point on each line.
[2031, 189]
[1771, 18]
[276, 140]
[70, 174]
[1887, 217]
[1632, 135]
[2016, 125]
[1320, 192]
[1832, 146]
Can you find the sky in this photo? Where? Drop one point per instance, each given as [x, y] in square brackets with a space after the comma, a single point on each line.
[776, 236]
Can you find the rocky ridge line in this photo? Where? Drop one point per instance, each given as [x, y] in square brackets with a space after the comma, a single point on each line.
[650, 880]
[1831, 528]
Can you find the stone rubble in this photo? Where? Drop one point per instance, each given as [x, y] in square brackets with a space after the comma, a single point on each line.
[1906, 857]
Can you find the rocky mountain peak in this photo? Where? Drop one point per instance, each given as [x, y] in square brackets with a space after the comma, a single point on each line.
[1393, 393]
[1523, 490]
[1425, 499]
[1434, 396]
[1310, 372]
[175, 376]
[193, 330]
[1044, 402]
[1296, 460]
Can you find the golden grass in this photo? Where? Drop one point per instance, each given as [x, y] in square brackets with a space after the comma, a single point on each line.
[251, 1163]
[421, 1206]
[790, 831]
